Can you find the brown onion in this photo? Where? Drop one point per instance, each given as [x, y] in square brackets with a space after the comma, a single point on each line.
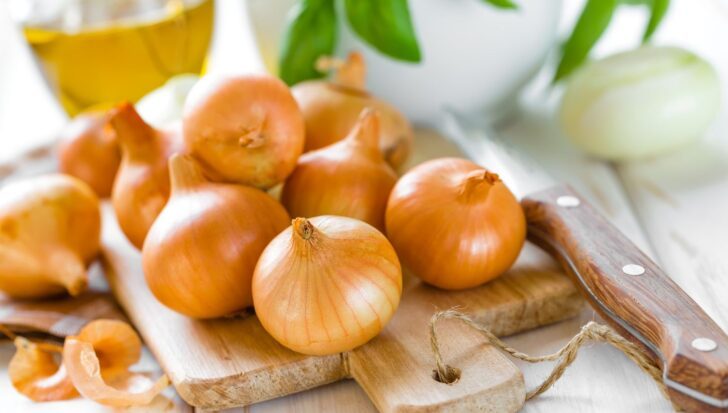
[455, 224]
[331, 109]
[88, 150]
[49, 231]
[244, 129]
[327, 285]
[201, 251]
[349, 178]
[141, 188]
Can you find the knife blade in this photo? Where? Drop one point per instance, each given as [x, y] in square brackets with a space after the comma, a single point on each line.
[625, 286]
[477, 138]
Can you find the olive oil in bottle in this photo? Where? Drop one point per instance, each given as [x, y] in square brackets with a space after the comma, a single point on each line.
[134, 49]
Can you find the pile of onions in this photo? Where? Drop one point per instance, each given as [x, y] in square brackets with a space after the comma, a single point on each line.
[244, 129]
[141, 188]
[88, 150]
[200, 253]
[331, 108]
[327, 285]
[349, 178]
[455, 224]
[49, 231]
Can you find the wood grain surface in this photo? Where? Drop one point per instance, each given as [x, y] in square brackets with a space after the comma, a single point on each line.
[230, 362]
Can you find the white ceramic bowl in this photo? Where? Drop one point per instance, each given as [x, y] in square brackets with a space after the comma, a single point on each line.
[474, 57]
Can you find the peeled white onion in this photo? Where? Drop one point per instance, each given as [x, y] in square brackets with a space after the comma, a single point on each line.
[640, 103]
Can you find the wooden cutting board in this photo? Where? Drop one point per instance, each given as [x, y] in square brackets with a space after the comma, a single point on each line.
[223, 363]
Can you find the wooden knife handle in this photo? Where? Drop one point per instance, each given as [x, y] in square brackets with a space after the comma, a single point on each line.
[633, 294]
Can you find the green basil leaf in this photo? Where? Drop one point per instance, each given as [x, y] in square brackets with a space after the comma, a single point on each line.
[658, 9]
[636, 2]
[502, 4]
[386, 25]
[589, 28]
[310, 33]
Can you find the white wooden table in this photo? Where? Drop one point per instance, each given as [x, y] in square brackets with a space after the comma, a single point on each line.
[674, 207]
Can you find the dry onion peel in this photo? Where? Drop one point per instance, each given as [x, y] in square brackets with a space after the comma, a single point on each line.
[7, 332]
[454, 224]
[331, 109]
[98, 359]
[120, 344]
[327, 285]
[349, 178]
[35, 372]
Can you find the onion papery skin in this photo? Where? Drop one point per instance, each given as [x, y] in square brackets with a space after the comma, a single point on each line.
[331, 109]
[349, 178]
[88, 150]
[454, 224]
[141, 188]
[49, 231]
[244, 129]
[98, 361]
[200, 254]
[35, 373]
[330, 292]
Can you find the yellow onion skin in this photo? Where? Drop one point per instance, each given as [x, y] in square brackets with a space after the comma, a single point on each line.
[49, 231]
[327, 285]
[141, 188]
[349, 178]
[331, 109]
[98, 361]
[454, 224]
[88, 150]
[36, 373]
[200, 253]
[244, 129]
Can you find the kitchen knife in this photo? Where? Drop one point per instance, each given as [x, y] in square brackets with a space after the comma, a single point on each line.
[625, 286]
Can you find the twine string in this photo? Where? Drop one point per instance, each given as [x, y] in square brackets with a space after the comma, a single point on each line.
[564, 356]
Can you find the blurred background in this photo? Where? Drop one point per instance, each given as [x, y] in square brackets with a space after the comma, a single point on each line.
[61, 57]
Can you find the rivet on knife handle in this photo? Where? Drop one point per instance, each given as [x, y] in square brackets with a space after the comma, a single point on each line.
[635, 296]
